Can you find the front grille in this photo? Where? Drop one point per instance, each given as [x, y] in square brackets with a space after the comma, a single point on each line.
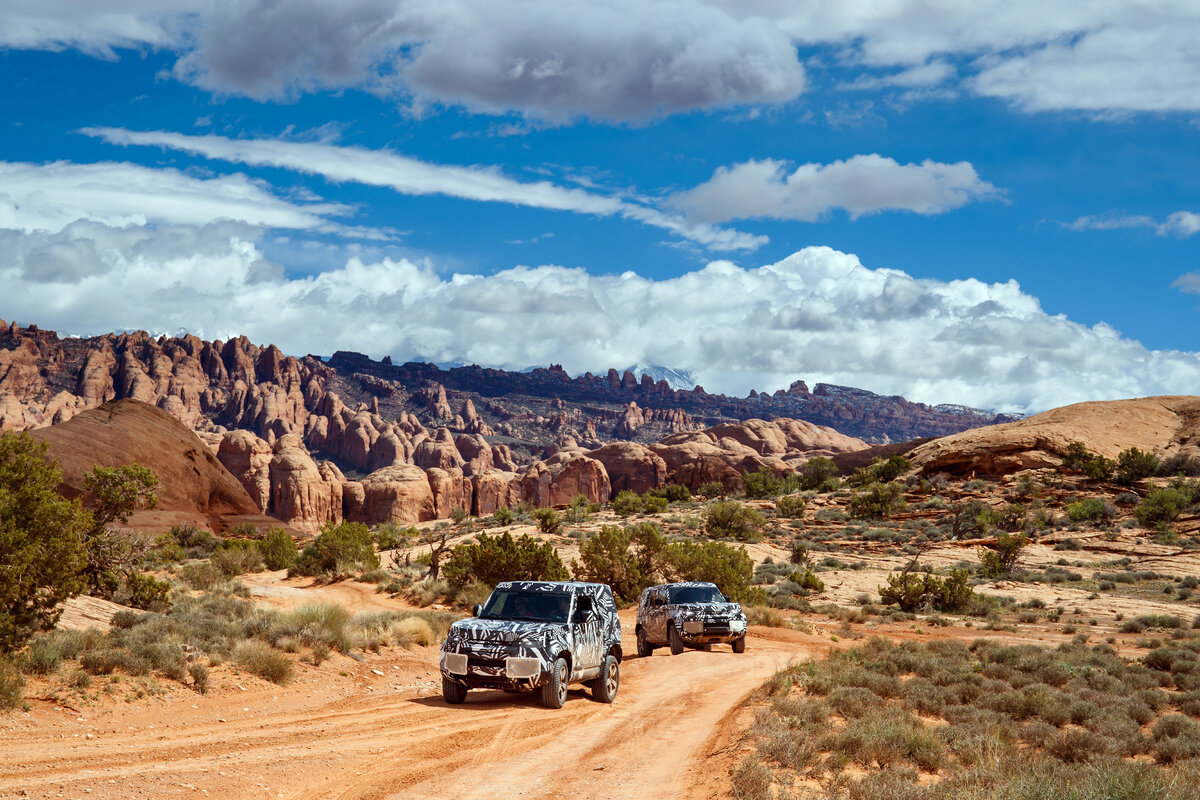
[479, 662]
[719, 627]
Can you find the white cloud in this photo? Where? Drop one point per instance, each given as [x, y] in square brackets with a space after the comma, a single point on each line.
[1188, 282]
[51, 196]
[818, 315]
[413, 177]
[864, 184]
[1181, 224]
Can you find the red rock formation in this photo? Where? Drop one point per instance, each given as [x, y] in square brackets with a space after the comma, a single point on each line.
[248, 458]
[631, 467]
[562, 477]
[300, 493]
[396, 494]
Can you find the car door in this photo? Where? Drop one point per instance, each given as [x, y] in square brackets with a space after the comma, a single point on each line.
[656, 615]
[585, 633]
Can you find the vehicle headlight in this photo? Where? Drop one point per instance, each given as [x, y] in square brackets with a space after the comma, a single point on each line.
[737, 625]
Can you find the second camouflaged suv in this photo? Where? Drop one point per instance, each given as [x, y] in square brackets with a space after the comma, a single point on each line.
[533, 635]
[690, 614]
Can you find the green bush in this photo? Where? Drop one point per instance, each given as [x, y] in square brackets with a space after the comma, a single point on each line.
[341, 549]
[458, 515]
[278, 549]
[259, 658]
[653, 505]
[1092, 509]
[672, 492]
[733, 520]
[626, 504]
[144, 591]
[920, 591]
[880, 471]
[730, 568]
[503, 516]
[818, 474]
[1134, 465]
[877, 501]
[493, 559]
[999, 560]
[43, 552]
[202, 576]
[807, 581]
[195, 542]
[12, 686]
[1099, 468]
[627, 559]
[548, 520]
[580, 510]
[790, 506]
[1161, 506]
[765, 483]
[237, 557]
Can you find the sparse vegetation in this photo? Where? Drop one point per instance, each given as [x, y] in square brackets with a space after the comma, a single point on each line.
[341, 549]
[492, 559]
[730, 519]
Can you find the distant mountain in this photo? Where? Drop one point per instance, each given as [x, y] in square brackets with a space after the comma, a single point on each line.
[678, 379]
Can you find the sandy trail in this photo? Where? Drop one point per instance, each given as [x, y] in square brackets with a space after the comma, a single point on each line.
[379, 729]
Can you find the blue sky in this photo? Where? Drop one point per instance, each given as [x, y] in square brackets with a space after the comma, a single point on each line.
[995, 206]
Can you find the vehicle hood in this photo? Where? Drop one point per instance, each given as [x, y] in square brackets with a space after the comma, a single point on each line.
[708, 610]
[500, 630]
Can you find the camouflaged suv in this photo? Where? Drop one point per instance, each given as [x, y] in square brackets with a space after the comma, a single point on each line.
[690, 614]
[533, 635]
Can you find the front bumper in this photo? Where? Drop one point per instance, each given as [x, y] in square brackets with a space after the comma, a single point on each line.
[521, 673]
[712, 631]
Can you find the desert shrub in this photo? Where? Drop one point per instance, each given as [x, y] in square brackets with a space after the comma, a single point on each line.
[1161, 506]
[1134, 465]
[790, 506]
[627, 559]
[458, 515]
[237, 557]
[818, 473]
[880, 471]
[807, 581]
[877, 501]
[259, 658]
[492, 559]
[730, 568]
[199, 673]
[914, 591]
[654, 505]
[1099, 468]
[339, 550]
[1092, 509]
[999, 560]
[503, 516]
[201, 576]
[1180, 464]
[765, 483]
[12, 685]
[42, 656]
[626, 503]
[752, 781]
[196, 543]
[143, 591]
[673, 492]
[278, 549]
[548, 520]
[731, 519]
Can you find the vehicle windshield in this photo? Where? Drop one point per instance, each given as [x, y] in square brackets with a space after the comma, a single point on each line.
[695, 594]
[527, 606]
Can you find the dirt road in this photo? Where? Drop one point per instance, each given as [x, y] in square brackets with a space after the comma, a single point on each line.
[379, 729]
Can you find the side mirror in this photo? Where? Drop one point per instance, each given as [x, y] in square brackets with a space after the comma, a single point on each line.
[476, 610]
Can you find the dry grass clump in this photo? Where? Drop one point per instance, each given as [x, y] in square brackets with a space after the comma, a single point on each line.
[259, 658]
[983, 718]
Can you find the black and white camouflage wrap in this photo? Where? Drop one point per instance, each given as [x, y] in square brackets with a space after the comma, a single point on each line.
[519, 654]
[697, 623]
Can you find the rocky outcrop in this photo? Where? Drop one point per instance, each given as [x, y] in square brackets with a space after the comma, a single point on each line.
[395, 494]
[248, 458]
[561, 478]
[301, 493]
[1163, 425]
[191, 478]
[631, 467]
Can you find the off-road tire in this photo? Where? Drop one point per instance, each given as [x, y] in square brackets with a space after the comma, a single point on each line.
[675, 639]
[644, 648]
[739, 644]
[554, 691]
[453, 693]
[605, 685]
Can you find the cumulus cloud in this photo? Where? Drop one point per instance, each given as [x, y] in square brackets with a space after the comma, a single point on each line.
[818, 314]
[1181, 224]
[414, 177]
[51, 196]
[1188, 282]
[864, 184]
